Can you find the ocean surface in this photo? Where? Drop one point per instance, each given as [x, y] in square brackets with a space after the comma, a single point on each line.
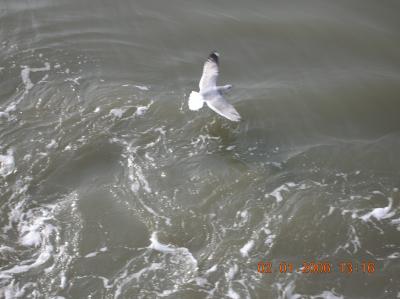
[110, 187]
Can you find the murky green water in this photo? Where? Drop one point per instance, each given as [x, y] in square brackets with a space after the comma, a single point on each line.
[111, 188]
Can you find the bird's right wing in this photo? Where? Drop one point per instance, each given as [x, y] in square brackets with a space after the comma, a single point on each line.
[222, 107]
[209, 77]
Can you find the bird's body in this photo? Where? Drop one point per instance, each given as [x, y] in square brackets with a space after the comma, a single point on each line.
[210, 93]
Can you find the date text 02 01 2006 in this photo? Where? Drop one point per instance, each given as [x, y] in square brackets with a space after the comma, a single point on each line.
[317, 267]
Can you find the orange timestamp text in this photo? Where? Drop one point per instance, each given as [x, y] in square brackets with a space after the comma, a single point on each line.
[316, 267]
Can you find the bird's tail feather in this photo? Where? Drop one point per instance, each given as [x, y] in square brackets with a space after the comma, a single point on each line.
[196, 101]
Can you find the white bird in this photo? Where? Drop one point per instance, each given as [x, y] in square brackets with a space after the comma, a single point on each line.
[210, 93]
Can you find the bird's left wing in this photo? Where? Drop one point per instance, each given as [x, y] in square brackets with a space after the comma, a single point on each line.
[209, 77]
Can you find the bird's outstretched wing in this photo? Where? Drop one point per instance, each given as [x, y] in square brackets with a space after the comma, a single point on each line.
[222, 107]
[209, 77]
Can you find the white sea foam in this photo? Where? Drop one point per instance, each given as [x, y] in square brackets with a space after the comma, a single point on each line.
[377, 192]
[4, 115]
[355, 240]
[331, 210]
[138, 178]
[7, 163]
[201, 141]
[74, 80]
[287, 291]
[212, 269]
[232, 272]
[13, 290]
[232, 294]
[246, 248]
[394, 255]
[44, 256]
[156, 245]
[177, 263]
[201, 281]
[142, 87]
[380, 213]
[167, 248]
[52, 144]
[396, 222]
[11, 107]
[243, 218]
[327, 295]
[141, 110]
[37, 227]
[126, 279]
[4, 248]
[25, 78]
[277, 192]
[117, 112]
[91, 254]
[25, 72]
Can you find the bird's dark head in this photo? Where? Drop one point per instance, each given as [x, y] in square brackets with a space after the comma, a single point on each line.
[214, 56]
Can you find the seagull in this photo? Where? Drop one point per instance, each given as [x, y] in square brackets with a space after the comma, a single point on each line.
[210, 93]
